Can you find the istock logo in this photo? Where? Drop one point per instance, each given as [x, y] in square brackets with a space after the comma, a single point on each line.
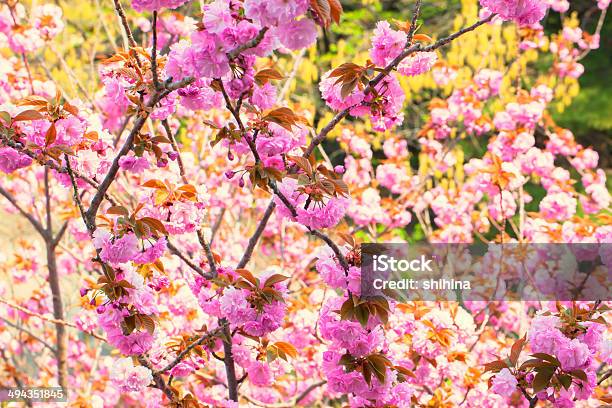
[384, 263]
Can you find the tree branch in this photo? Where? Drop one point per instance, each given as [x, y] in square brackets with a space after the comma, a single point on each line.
[184, 353]
[392, 65]
[249, 44]
[246, 257]
[35, 223]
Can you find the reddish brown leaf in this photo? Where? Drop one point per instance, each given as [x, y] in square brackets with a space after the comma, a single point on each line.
[28, 115]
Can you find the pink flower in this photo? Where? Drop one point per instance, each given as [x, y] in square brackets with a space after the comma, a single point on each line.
[217, 16]
[523, 12]
[48, 20]
[264, 97]
[504, 383]
[134, 164]
[417, 64]
[392, 177]
[204, 57]
[560, 6]
[200, 96]
[152, 253]
[573, 355]
[136, 342]
[331, 272]
[235, 307]
[270, 319]
[128, 377]
[323, 216]
[11, 160]
[288, 187]
[298, 34]
[386, 43]
[558, 206]
[274, 12]
[212, 58]
[120, 250]
[259, 374]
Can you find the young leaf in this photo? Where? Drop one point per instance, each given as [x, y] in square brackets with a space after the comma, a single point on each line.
[51, 135]
[542, 378]
[276, 278]
[267, 74]
[28, 115]
[248, 276]
[495, 366]
[118, 210]
[517, 347]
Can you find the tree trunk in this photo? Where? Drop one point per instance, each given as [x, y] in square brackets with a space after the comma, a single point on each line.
[58, 313]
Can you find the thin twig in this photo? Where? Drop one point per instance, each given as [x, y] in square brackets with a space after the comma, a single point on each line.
[48, 319]
[154, 52]
[205, 337]
[29, 333]
[392, 65]
[255, 237]
[249, 44]
[35, 223]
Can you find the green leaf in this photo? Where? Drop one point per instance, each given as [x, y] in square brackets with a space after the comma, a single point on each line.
[6, 117]
[565, 380]
[581, 375]
[362, 314]
[547, 357]
[542, 378]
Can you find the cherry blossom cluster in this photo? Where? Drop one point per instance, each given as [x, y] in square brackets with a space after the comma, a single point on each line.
[213, 245]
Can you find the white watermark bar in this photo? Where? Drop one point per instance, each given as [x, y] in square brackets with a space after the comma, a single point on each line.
[481, 272]
[33, 394]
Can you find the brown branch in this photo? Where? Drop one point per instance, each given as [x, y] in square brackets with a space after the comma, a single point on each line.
[179, 158]
[157, 378]
[90, 227]
[35, 223]
[308, 390]
[185, 259]
[127, 146]
[48, 319]
[217, 225]
[413, 23]
[246, 257]
[392, 65]
[607, 375]
[184, 353]
[249, 44]
[228, 360]
[209, 255]
[54, 166]
[124, 23]
[29, 333]
[154, 52]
